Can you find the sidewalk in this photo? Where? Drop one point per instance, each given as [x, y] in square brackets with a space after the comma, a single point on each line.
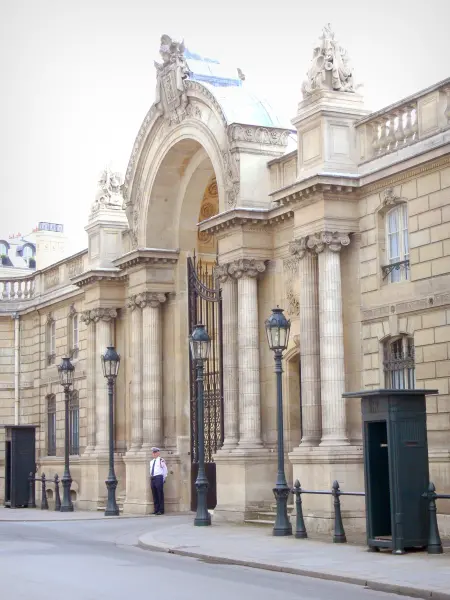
[24, 515]
[416, 574]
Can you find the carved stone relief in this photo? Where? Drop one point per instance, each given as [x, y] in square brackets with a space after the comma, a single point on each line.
[291, 282]
[75, 266]
[51, 278]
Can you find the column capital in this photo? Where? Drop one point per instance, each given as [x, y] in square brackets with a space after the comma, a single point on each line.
[98, 314]
[246, 267]
[153, 299]
[332, 240]
[221, 272]
[299, 247]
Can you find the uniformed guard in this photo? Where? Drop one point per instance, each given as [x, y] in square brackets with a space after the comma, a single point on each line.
[158, 474]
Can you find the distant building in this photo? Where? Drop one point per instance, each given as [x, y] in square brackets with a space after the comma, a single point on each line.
[21, 254]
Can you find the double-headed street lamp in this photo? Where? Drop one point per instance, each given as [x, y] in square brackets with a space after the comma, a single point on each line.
[110, 366]
[277, 329]
[200, 343]
[66, 372]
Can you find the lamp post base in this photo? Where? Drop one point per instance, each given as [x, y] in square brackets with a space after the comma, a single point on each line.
[282, 525]
[112, 510]
[66, 505]
[202, 518]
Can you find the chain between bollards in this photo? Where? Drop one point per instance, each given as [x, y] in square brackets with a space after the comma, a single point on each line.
[300, 529]
[57, 496]
[339, 533]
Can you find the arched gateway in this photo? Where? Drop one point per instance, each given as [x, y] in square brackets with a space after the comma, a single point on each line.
[201, 152]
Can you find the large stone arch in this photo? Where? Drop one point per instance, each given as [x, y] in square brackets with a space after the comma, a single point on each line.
[170, 163]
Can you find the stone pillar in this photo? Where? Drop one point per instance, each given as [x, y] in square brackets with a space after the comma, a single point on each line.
[332, 372]
[152, 370]
[104, 336]
[309, 344]
[90, 381]
[134, 303]
[246, 272]
[230, 358]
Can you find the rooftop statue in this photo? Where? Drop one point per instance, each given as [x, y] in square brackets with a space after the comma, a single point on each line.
[109, 191]
[330, 69]
[170, 91]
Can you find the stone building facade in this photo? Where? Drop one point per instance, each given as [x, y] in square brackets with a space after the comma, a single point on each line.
[349, 233]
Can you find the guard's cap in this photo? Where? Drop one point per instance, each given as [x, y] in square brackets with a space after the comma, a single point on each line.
[155, 450]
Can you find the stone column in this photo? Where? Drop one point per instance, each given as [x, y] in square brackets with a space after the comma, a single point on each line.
[230, 358]
[134, 304]
[104, 336]
[309, 344]
[152, 370]
[246, 272]
[90, 381]
[332, 372]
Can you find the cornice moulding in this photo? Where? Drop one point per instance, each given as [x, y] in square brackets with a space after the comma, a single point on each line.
[154, 256]
[95, 275]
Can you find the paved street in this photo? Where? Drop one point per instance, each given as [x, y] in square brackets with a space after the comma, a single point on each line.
[98, 559]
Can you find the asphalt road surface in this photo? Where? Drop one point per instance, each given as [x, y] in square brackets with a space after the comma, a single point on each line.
[99, 560]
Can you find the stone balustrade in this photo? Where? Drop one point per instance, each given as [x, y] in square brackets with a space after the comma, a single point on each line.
[14, 291]
[407, 122]
[17, 288]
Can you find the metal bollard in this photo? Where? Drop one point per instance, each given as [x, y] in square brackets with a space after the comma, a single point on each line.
[339, 533]
[434, 539]
[32, 491]
[300, 529]
[44, 501]
[57, 496]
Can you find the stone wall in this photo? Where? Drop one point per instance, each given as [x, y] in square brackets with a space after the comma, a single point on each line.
[419, 307]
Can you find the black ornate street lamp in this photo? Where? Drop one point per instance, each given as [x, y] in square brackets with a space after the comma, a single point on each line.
[200, 343]
[277, 329]
[110, 366]
[66, 372]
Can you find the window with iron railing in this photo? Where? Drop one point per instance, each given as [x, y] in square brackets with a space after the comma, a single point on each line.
[399, 364]
[397, 245]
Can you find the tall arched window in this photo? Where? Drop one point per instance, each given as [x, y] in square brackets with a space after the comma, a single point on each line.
[51, 425]
[73, 330]
[51, 339]
[397, 245]
[399, 367]
[74, 423]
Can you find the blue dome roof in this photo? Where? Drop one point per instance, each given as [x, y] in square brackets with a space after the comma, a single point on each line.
[238, 103]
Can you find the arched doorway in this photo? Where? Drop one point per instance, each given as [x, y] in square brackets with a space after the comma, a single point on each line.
[183, 193]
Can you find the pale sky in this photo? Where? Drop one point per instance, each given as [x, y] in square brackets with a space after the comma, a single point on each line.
[78, 78]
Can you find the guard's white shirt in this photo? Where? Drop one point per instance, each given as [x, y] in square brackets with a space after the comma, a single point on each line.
[160, 467]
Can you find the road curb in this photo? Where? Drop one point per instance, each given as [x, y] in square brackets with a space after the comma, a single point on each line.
[367, 584]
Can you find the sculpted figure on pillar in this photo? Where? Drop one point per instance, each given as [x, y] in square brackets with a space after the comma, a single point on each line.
[330, 68]
[246, 267]
[318, 242]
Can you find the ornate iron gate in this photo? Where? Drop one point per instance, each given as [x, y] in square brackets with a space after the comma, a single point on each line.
[205, 306]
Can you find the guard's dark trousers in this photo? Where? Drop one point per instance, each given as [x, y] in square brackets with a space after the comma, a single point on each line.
[157, 483]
